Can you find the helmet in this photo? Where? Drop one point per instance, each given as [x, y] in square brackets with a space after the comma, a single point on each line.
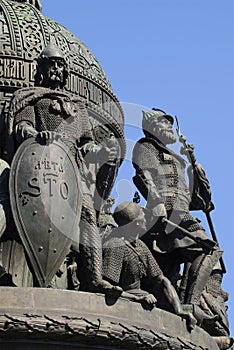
[160, 113]
[51, 51]
[126, 212]
[149, 116]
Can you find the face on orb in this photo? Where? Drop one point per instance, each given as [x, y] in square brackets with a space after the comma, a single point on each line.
[53, 72]
[163, 130]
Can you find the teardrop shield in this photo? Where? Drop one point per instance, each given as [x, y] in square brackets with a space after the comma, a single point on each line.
[46, 199]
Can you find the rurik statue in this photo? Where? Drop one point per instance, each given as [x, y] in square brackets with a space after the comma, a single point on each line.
[46, 115]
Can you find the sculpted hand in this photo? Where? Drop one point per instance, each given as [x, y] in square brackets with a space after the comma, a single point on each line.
[148, 301]
[159, 210]
[48, 136]
[112, 148]
[72, 268]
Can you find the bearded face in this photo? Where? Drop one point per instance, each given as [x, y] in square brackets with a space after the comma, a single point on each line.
[163, 130]
[53, 73]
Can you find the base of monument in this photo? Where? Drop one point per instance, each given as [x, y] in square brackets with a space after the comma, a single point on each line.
[52, 319]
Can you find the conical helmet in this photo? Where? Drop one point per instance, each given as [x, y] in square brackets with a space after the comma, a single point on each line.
[154, 114]
[51, 51]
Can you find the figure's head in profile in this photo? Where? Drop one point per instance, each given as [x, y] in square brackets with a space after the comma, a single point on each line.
[159, 124]
[131, 217]
[52, 70]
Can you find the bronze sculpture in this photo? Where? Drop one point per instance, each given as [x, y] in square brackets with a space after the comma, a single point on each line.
[127, 261]
[178, 237]
[106, 221]
[49, 114]
[160, 178]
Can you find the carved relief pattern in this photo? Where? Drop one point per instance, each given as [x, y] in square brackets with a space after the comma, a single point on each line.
[33, 39]
[87, 75]
[91, 331]
[78, 53]
[4, 104]
[24, 32]
[14, 30]
[5, 40]
[4, 100]
[21, 29]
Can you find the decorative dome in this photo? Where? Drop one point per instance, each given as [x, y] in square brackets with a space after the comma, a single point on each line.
[24, 33]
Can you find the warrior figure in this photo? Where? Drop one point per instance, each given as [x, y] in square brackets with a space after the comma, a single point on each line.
[47, 112]
[128, 262]
[160, 177]
[106, 221]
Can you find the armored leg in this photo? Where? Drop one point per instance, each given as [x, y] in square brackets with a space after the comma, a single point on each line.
[91, 251]
[198, 275]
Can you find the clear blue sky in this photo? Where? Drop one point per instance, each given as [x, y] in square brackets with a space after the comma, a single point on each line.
[177, 55]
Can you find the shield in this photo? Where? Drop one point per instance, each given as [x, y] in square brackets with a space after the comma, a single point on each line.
[46, 199]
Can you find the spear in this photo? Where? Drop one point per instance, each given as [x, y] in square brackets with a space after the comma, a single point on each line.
[201, 194]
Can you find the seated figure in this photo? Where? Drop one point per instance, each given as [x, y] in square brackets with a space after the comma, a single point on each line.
[127, 261]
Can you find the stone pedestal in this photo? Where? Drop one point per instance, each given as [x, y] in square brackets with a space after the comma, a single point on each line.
[47, 319]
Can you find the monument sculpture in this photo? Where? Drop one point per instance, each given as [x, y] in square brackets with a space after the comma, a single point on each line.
[47, 115]
[160, 176]
[69, 277]
[128, 262]
[178, 237]
[106, 221]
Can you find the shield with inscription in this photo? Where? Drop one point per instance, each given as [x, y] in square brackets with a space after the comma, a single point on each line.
[46, 197]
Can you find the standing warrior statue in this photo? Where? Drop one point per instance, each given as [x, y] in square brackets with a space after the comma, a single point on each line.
[48, 113]
[160, 177]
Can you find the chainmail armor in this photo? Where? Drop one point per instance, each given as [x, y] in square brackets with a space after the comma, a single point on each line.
[167, 170]
[123, 266]
[54, 111]
[63, 113]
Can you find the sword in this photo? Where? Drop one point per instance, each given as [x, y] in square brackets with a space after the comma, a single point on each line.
[211, 245]
[212, 230]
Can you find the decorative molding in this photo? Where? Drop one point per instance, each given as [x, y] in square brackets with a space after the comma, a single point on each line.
[92, 331]
[39, 315]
